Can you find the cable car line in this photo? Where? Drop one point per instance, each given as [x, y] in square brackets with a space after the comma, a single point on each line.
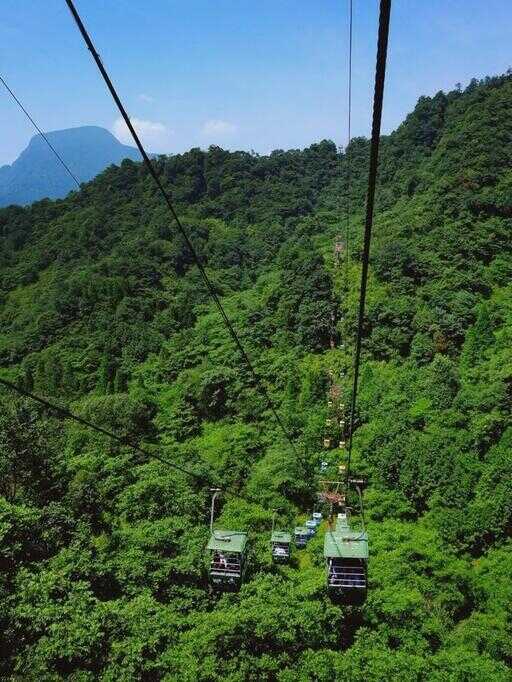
[43, 135]
[349, 121]
[67, 414]
[380, 75]
[182, 230]
[361, 507]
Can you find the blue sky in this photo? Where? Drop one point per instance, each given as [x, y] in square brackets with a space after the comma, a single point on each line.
[238, 73]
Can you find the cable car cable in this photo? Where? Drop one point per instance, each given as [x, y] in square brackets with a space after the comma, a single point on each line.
[361, 508]
[349, 122]
[67, 414]
[378, 96]
[182, 230]
[43, 135]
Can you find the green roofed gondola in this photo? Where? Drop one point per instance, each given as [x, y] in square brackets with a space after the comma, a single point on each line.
[346, 556]
[301, 535]
[280, 543]
[227, 550]
[227, 554]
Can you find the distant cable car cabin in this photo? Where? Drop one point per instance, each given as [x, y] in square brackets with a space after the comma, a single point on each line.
[227, 550]
[280, 543]
[311, 525]
[301, 535]
[317, 517]
[327, 442]
[346, 556]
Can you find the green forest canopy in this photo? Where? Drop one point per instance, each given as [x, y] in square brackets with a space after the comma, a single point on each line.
[102, 309]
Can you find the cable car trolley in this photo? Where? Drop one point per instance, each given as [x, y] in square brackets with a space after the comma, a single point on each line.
[227, 550]
[346, 557]
[311, 525]
[301, 535]
[280, 543]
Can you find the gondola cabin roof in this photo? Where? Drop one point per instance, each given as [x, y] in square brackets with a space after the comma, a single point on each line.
[346, 545]
[301, 530]
[227, 541]
[281, 536]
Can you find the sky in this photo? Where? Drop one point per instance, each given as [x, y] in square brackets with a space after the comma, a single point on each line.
[240, 74]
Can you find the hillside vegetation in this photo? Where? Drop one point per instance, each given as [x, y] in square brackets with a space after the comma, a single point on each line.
[102, 309]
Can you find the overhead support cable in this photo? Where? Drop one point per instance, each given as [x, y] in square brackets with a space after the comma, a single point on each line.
[349, 134]
[65, 413]
[378, 96]
[43, 135]
[152, 171]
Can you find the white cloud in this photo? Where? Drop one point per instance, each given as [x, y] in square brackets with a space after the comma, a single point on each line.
[216, 128]
[146, 98]
[152, 133]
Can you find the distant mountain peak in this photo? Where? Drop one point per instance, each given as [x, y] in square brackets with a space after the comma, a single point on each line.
[37, 173]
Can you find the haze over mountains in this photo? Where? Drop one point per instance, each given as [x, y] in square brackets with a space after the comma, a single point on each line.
[37, 173]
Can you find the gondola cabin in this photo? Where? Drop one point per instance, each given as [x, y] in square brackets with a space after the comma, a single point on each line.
[346, 556]
[227, 554]
[301, 535]
[317, 517]
[280, 543]
[311, 525]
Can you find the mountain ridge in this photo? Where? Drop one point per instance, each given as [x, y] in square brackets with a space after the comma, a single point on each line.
[37, 174]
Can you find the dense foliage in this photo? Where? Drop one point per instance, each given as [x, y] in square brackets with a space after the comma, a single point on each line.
[102, 309]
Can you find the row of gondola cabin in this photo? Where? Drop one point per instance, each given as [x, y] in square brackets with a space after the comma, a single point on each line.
[346, 556]
[280, 542]
[227, 550]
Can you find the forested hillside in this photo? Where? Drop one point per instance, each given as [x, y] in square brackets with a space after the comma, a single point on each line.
[103, 310]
